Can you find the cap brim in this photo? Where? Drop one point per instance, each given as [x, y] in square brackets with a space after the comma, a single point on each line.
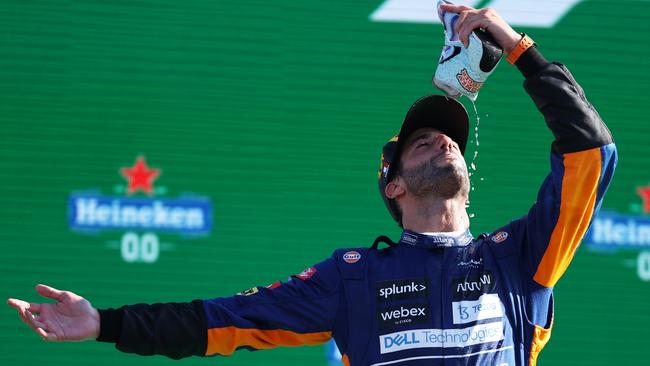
[445, 114]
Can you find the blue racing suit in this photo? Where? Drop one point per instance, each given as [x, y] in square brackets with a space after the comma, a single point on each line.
[428, 299]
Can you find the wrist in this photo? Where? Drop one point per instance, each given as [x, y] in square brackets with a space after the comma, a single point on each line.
[96, 324]
[519, 48]
[110, 325]
[513, 39]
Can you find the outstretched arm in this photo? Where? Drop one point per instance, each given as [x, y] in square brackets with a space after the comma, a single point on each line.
[301, 311]
[70, 318]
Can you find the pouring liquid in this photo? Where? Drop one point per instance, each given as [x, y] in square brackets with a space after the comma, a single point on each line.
[472, 169]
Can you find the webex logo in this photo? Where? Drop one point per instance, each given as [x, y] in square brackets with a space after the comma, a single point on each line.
[402, 316]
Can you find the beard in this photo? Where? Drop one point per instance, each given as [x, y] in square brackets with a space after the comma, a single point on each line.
[430, 180]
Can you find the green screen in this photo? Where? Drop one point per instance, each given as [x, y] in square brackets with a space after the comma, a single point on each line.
[266, 120]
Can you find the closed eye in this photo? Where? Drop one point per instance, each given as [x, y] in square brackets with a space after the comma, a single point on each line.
[421, 140]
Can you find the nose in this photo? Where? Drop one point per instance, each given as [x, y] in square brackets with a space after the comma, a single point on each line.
[443, 142]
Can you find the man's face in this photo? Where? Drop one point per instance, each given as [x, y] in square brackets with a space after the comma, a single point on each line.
[432, 165]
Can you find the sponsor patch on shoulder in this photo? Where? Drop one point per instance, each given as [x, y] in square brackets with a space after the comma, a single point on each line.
[352, 256]
[250, 291]
[306, 274]
[500, 236]
[275, 284]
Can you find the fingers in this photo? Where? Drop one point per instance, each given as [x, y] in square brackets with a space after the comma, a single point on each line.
[17, 304]
[50, 292]
[469, 24]
[44, 330]
[20, 304]
[455, 8]
[27, 311]
[460, 27]
[29, 319]
[35, 322]
[471, 19]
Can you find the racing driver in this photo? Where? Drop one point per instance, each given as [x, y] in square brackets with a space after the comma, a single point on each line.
[439, 295]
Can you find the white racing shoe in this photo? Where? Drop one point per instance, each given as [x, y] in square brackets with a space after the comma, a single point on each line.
[462, 71]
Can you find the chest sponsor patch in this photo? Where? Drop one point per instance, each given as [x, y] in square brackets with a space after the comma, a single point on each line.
[487, 306]
[403, 315]
[473, 286]
[401, 289]
[438, 338]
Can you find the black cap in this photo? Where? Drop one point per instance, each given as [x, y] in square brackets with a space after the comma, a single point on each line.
[445, 114]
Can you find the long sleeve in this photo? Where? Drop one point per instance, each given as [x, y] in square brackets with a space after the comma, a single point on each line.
[583, 159]
[300, 311]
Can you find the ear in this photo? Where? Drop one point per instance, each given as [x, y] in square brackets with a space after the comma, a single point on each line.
[395, 189]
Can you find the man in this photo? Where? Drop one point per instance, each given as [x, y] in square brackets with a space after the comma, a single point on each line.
[439, 296]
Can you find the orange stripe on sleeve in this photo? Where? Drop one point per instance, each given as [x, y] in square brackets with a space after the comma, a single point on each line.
[540, 338]
[579, 191]
[345, 360]
[225, 341]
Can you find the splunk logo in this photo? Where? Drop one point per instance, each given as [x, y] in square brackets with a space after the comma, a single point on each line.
[135, 211]
[401, 289]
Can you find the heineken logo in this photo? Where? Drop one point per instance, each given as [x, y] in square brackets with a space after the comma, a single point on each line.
[611, 232]
[139, 210]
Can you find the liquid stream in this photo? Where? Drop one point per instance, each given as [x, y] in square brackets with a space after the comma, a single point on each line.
[472, 165]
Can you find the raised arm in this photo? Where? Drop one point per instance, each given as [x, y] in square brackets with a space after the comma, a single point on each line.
[583, 155]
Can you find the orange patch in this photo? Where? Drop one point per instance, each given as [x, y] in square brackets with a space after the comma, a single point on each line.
[226, 340]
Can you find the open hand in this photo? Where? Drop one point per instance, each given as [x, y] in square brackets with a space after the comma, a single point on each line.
[487, 19]
[71, 318]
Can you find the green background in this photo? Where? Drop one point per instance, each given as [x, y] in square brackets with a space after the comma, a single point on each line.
[277, 111]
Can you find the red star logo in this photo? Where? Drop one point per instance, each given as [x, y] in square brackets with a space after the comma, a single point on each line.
[644, 192]
[140, 176]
